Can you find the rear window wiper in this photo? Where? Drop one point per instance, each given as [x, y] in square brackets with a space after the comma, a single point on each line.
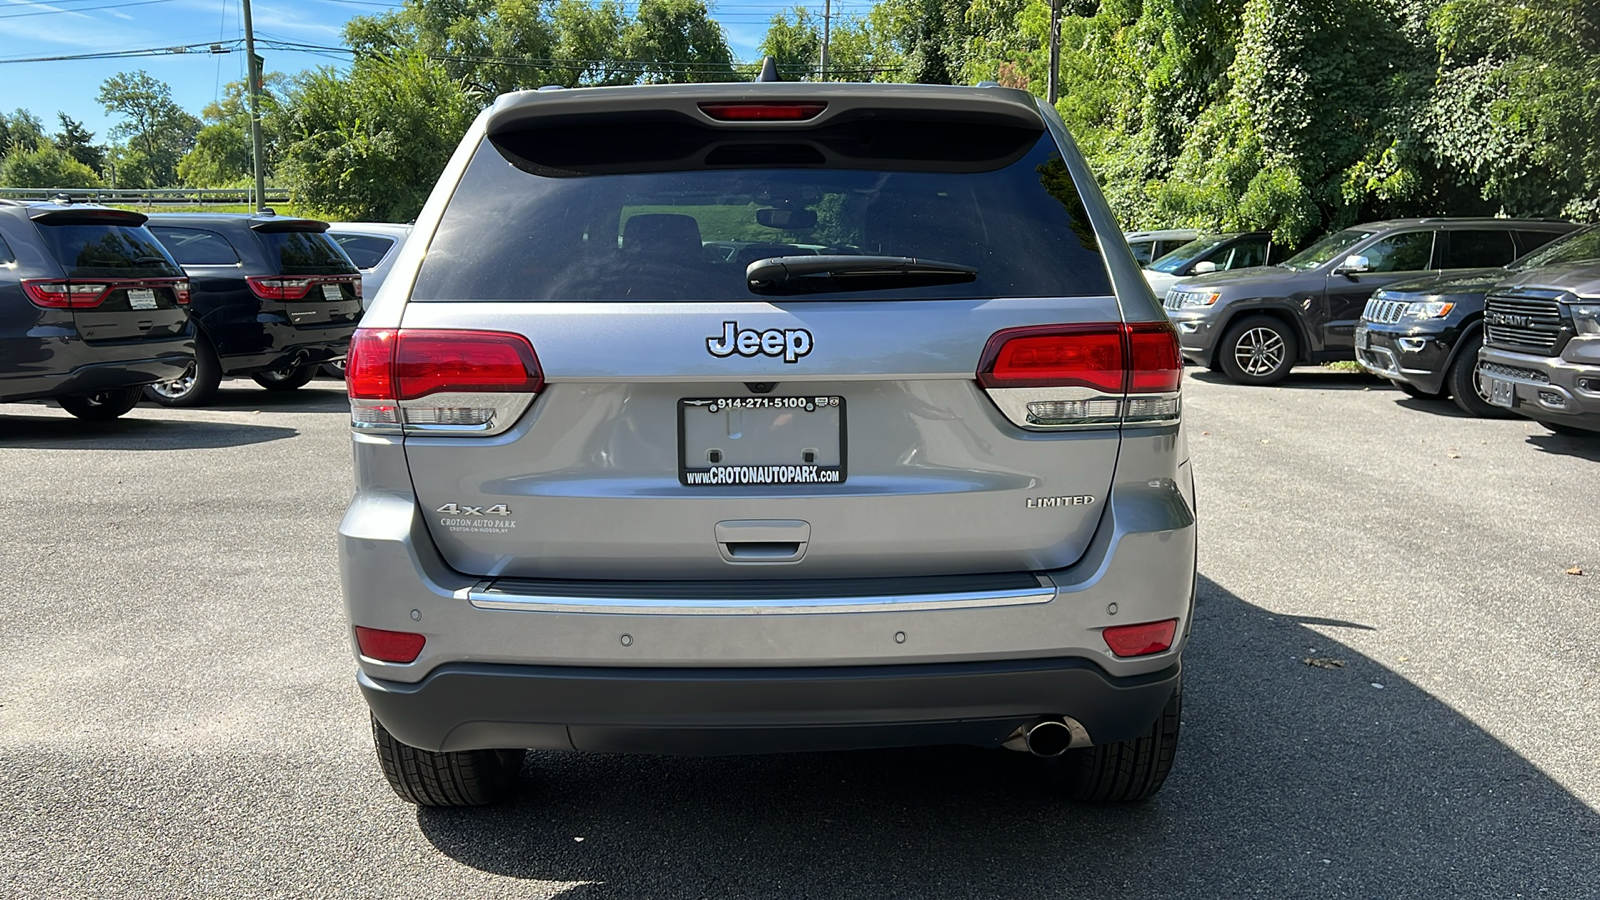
[835, 274]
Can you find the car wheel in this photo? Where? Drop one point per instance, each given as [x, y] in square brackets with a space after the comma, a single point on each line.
[1258, 350]
[196, 386]
[334, 369]
[103, 406]
[292, 378]
[1570, 430]
[458, 778]
[1123, 771]
[1462, 379]
[1412, 390]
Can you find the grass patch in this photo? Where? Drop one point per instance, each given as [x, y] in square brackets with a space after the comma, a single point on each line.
[1344, 365]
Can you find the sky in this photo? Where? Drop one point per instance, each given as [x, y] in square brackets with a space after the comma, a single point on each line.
[44, 28]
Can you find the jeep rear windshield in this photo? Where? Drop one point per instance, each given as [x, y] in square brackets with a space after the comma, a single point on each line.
[107, 251]
[578, 213]
[305, 253]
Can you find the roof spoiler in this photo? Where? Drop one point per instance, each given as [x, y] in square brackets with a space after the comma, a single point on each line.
[282, 226]
[87, 215]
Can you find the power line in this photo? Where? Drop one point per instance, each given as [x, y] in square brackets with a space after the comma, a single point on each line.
[82, 9]
[181, 49]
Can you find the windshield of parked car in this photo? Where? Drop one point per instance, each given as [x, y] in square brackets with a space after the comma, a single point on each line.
[1579, 246]
[1197, 249]
[1329, 247]
[538, 220]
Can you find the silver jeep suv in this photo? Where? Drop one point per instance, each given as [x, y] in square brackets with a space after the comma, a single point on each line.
[740, 418]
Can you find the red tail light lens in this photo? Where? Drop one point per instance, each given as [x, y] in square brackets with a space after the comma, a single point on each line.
[276, 288]
[59, 294]
[1142, 639]
[1055, 356]
[180, 292]
[768, 111]
[389, 646]
[430, 362]
[1157, 366]
[369, 364]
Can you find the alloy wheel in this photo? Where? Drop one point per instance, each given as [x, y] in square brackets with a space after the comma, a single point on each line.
[1259, 351]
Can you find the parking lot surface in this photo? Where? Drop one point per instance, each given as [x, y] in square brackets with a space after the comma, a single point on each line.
[1392, 689]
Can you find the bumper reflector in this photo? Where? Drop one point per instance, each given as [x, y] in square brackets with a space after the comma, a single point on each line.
[1142, 639]
[389, 646]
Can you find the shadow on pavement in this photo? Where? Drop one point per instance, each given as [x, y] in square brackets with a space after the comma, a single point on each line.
[1314, 377]
[1568, 445]
[316, 397]
[1443, 406]
[57, 433]
[1292, 781]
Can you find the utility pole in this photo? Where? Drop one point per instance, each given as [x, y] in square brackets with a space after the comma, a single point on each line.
[827, 15]
[255, 72]
[1053, 85]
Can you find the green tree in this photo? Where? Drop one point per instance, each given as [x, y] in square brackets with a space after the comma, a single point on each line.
[78, 142]
[20, 129]
[371, 144]
[222, 155]
[156, 130]
[677, 41]
[45, 166]
[794, 41]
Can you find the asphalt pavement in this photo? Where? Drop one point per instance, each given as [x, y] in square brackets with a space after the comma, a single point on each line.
[1392, 689]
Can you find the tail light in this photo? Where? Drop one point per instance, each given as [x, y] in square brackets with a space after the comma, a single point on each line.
[59, 294]
[765, 111]
[389, 646]
[417, 380]
[1100, 375]
[277, 288]
[180, 292]
[1142, 639]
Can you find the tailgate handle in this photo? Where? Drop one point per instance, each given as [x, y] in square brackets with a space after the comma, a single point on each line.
[763, 540]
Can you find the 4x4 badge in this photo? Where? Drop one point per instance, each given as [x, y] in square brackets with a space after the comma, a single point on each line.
[789, 343]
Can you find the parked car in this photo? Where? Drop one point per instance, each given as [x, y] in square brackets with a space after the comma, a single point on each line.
[372, 246]
[1152, 245]
[604, 496]
[1424, 335]
[1255, 324]
[91, 308]
[1541, 346]
[273, 297]
[1213, 253]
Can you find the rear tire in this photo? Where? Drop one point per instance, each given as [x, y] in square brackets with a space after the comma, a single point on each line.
[1462, 379]
[292, 378]
[1125, 771]
[103, 406]
[334, 369]
[197, 386]
[458, 778]
[1259, 350]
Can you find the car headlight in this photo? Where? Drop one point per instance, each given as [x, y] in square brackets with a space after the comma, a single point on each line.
[1432, 309]
[1191, 299]
[1586, 318]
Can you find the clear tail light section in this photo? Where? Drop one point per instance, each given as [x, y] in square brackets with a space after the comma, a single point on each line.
[1101, 375]
[404, 381]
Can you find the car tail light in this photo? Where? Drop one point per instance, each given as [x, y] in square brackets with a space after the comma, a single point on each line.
[1098, 375]
[765, 111]
[389, 646]
[414, 380]
[61, 294]
[278, 288]
[180, 292]
[1142, 639]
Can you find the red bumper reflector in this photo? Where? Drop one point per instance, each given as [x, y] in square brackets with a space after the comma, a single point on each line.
[769, 111]
[389, 646]
[1142, 639]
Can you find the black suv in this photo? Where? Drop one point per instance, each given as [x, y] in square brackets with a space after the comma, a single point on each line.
[1255, 324]
[274, 298]
[91, 308]
[1541, 346]
[1424, 335]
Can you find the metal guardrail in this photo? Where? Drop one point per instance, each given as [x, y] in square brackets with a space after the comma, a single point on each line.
[153, 196]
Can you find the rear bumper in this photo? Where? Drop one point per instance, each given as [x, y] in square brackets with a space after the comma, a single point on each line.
[111, 368]
[282, 344]
[1549, 389]
[702, 711]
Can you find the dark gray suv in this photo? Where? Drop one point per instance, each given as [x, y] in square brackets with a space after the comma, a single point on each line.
[1255, 324]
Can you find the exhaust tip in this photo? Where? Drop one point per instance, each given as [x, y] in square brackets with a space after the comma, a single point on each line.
[1049, 738]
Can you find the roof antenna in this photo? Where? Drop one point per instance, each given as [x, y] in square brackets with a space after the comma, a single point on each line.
[769, 70]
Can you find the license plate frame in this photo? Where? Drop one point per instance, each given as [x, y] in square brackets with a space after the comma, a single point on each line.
[1502, 393]
[332, 293]
[768, 415]
[141, 298]
[1363, 339]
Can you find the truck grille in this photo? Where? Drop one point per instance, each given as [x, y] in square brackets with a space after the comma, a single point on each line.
[1386, 311]
[1524, 322]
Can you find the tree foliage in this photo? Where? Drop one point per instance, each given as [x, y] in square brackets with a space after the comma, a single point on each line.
[45, 166]
[157, 132]
[222, 155]
[21, 129]
[78, 143]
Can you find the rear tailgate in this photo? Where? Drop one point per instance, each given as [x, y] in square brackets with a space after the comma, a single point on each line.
[120, 284]
[688, 425]
[314, 282]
